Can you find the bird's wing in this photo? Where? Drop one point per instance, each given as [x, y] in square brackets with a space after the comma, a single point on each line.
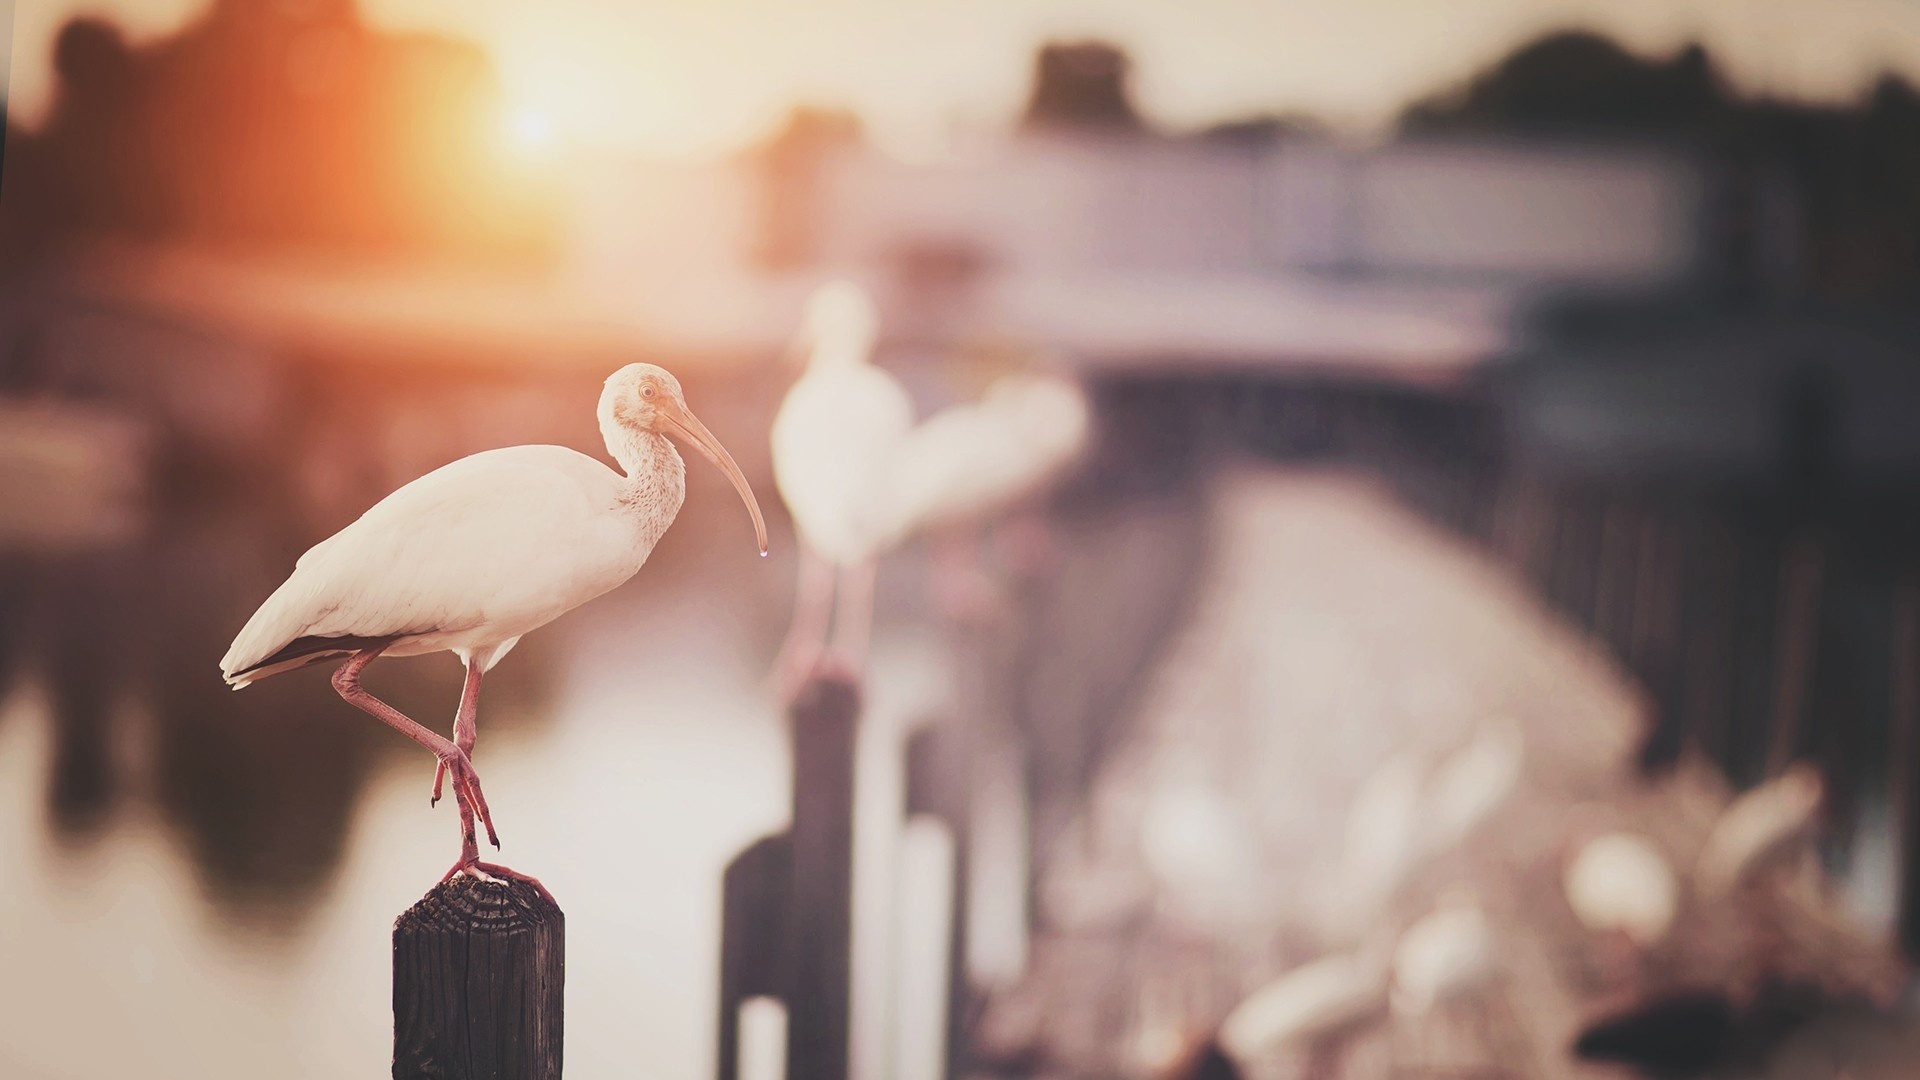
[1049, 414]
[832, 440]
[465, 543]
[977, 459]
[963, 462]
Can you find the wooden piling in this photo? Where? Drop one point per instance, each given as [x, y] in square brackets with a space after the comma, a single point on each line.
[1902, 742]
[819, 1005]
[787, 916]
[939, 785]
[755, 937]
[479, 970]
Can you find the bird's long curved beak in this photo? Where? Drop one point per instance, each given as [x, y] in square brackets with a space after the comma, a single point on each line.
[688, 426]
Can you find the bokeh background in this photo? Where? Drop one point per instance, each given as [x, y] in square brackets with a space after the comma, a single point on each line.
[1504, 436]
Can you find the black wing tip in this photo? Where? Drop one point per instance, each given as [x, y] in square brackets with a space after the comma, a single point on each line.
[315, 648]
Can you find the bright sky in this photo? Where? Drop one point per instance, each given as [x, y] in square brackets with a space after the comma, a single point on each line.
[693, 76]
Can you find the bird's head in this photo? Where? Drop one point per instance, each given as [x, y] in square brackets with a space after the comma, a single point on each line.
[646, 398]
[839, 328]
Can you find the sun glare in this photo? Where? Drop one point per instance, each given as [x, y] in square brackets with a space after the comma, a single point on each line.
[529, 132]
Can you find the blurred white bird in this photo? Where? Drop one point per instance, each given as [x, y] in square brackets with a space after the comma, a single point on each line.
[836, 435]
[1407, 811]
[1471, 783]
[859, 478]
[1447, 953]
[971, 461]
[471, 556]
[1757, 826]
[1621, 883]
[1193, 840]
[1310, 1002]
[1381, 846]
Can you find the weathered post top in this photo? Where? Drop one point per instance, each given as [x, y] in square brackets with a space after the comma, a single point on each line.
[479, 970]
[824, 698]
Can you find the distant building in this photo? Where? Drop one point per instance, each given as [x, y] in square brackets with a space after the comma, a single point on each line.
[1294, 251]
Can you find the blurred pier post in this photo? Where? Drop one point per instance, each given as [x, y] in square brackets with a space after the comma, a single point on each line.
[787, 918]
[1902, 745]
[825, 724]
[479, 970]
[754, 935]
[939, 785]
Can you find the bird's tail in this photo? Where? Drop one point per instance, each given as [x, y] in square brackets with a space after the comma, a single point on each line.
[279, 622]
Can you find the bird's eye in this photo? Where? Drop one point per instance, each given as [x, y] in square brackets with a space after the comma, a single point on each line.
[647, 390]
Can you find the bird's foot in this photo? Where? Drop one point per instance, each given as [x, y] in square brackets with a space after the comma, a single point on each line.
[466, 787]
[496, 874]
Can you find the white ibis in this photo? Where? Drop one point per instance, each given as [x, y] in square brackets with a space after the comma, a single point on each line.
[1404, 814]
[1757, 826]
[1314, 1002]
[1381, 848]
[1197, 845]
[1448, 953]
[1471, 783]
[833, 440]
[1620, 883]
[471, 556]
[971, 461]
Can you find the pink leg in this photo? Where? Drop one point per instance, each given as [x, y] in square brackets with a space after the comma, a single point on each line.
[466, 784]
[812, 610]
[470, 863]
[465, 726]
[856, 615]
[466, 731]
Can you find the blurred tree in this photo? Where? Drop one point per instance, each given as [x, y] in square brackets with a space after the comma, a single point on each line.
[276, 125]
[1855, 171]
[1082, 86]
[1580, 81]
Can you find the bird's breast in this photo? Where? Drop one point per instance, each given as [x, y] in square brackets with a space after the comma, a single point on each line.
[597, 560]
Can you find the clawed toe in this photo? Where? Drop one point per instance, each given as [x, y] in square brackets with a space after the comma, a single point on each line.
[495, 874]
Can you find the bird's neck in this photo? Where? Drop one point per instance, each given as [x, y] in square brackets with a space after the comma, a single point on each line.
[656, 477]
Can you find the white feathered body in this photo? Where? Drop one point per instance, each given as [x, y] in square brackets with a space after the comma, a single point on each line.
[972, 461]
[470, 556]
[834, 439]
